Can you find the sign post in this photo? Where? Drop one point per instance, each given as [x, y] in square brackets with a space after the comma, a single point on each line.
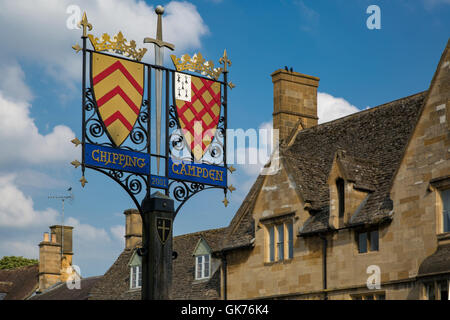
[119, 92]
[157, 221]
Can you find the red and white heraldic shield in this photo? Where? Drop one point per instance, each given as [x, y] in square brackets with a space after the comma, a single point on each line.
[198, 102]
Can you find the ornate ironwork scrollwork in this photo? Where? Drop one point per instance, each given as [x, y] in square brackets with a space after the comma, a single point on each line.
[132, 183]
[182, 191]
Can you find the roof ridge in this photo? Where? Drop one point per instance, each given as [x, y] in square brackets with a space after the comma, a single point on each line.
[361, 112]
[200, 232]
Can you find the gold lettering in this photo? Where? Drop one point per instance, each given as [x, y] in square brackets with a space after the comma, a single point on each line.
[173, 167]
[115, 158]
[219, 175]
[203, 174]
[183, 168]
[103, 155]
[211, 174]
[199, 171]
[140, 162]
[191, 169]
[121, 159]
[93, 157]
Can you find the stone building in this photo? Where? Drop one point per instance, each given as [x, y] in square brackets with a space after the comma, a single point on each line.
[359, 201]
[196, 269]
[358, 208]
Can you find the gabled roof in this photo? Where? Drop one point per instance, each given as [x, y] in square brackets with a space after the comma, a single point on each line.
[438, 262]
[373, 142]
[241, 230]
[115, 283]
[19, 283]
[62, 292]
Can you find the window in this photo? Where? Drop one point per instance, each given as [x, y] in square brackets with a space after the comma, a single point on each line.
[271, 243]
[445, 194]
[341, 198]
[443, 289]
[437, 290]
[280, 241]
[290, 230]
[429, 289]
[368, 241]
[202, 266]
[369, 296]
[135, 277]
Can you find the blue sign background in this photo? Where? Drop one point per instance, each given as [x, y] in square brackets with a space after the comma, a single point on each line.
[118, 159]
[198, 172]
[159, 182]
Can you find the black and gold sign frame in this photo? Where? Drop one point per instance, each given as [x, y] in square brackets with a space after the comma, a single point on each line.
[139, 185]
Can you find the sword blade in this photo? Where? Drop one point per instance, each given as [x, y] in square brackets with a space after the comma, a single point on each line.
[159, 60]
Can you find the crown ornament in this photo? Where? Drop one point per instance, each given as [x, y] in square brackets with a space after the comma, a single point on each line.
[196, 64]
[118, 44]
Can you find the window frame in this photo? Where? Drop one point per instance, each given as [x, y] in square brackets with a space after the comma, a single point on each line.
[435, 284]
[203, 273]
[273, 243]
[135, 282]
[370, 243]
[439, 186]
[378, 295]
[340, 190]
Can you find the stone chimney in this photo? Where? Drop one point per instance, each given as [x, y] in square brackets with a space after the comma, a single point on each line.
[66, 235]
[294, 102]
[133, 228]
[49, 262]
[52, 252]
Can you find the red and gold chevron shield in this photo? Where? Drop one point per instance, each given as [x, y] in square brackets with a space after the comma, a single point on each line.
[198, 102]
[118, 90]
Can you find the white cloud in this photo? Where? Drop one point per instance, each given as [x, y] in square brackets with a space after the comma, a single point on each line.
[118, 233]
[26, 249]
[40, 32]
[330, 108]
[12, 82]
[21, 142]
[87, 234]
[36, 179]
[17, 210]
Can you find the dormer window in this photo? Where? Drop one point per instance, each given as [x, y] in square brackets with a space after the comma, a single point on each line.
[203, 260]
[202, 266]
[135, 266]
[340, 185]
[135, 277]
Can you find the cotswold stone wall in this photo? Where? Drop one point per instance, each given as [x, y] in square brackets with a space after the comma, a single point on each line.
[404, 242]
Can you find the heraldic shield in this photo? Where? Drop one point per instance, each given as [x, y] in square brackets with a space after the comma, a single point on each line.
[118, 90]
[198, 102]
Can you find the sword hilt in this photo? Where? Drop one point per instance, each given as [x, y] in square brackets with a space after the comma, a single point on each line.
[159, 41]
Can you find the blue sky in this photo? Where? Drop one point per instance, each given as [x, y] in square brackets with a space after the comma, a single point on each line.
[40, 94]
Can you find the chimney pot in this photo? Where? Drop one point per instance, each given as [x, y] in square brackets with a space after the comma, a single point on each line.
[46, 236]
